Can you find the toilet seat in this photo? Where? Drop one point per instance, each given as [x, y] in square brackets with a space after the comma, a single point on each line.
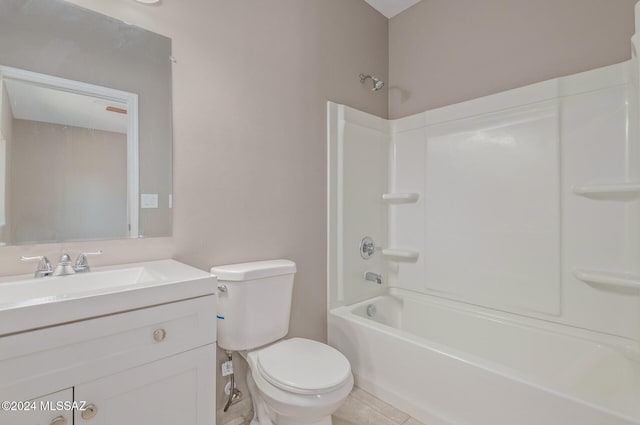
[303, 366]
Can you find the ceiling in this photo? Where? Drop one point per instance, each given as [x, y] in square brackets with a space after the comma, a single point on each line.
[391, 8]
[37, 103]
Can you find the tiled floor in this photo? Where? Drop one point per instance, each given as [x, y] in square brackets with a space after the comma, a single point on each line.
[361, 408]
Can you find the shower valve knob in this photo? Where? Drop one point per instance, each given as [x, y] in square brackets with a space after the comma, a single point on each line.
[367, 247]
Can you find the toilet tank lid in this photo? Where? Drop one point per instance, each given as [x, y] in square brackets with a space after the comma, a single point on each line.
[254, 270]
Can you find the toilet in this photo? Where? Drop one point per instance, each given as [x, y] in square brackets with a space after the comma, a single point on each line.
[291, 381]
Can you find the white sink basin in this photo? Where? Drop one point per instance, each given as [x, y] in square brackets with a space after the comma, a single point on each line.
[28, 303]
[38, 291]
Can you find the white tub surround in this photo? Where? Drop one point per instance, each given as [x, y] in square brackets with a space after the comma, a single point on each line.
[358, 167]
[508, 229]
[524, 201]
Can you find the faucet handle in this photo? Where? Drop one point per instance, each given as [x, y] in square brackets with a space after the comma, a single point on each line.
[44, 266]
[82, 264]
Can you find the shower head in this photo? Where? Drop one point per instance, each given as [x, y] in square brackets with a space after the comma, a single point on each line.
[378, 84]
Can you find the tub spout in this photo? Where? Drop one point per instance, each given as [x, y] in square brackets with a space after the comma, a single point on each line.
[373, 277]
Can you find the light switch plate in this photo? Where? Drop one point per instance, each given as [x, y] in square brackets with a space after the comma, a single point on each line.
[149, 200]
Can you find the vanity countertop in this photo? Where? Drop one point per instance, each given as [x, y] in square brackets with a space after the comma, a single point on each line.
[27, 303]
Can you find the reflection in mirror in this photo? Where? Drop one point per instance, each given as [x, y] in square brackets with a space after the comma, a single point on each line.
[72, 149]
[86, 129]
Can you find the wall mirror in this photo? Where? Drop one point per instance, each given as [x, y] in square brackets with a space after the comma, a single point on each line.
[85, 128]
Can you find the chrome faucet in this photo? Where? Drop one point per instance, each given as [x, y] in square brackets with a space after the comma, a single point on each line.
[373, 277]
[64, 267]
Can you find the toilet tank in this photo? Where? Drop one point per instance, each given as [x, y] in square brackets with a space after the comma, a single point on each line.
[254, 303]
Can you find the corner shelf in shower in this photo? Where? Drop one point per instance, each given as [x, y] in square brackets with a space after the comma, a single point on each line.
[401, 254]
[401, 198]
[609, 192]
[620, 280]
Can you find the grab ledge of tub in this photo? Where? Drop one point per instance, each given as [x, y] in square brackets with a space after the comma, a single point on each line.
[400, 254]
[401, 198]
[609, 192]
[618, 280]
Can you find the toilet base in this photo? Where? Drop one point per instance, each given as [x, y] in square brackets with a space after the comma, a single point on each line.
[263, 415]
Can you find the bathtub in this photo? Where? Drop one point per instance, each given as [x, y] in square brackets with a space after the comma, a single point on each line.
[450, 364]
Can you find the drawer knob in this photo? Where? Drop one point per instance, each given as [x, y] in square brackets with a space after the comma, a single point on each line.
[89, 412]
[159, 335]
[58, 420]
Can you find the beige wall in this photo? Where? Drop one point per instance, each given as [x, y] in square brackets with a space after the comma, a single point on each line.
[67, 183]
[250, 86]
[249, 92]
[448, 51]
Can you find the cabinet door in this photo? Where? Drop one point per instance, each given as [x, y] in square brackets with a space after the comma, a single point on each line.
[175, 390]
[46, 410]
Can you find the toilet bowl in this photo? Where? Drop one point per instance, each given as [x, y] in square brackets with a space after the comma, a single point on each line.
[295, 381]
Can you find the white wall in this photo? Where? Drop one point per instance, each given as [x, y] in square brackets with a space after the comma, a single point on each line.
[489, 214]
[498, 223]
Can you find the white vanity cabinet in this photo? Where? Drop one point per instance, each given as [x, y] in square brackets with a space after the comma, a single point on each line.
[148, 366]
[176, 390]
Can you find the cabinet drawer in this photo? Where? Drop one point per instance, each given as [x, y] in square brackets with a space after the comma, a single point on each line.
[45, 360]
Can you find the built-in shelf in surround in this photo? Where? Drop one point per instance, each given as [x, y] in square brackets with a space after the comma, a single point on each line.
[620, 280]
[401, 198]
[400, 254]
[609, 192]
